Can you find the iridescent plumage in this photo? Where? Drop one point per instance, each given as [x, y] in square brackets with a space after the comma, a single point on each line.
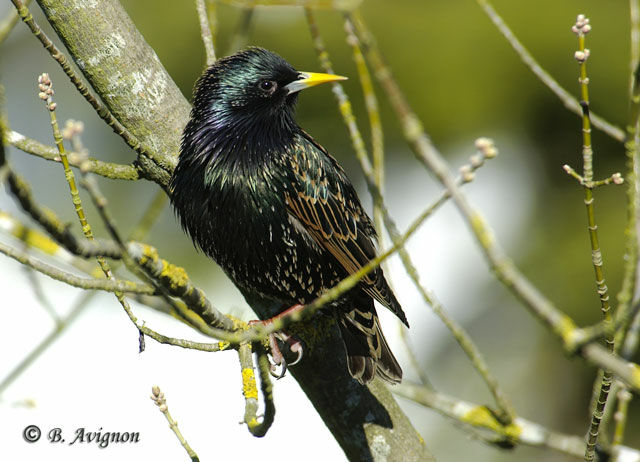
[273, 208]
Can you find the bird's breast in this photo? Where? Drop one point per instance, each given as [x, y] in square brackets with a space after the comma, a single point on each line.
[244, 226]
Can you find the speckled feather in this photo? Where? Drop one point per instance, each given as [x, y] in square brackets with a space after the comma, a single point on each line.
[273, 208]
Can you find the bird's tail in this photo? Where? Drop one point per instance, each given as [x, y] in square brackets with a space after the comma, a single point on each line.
[367, 349]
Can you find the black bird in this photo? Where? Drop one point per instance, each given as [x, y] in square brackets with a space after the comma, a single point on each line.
[273, 208]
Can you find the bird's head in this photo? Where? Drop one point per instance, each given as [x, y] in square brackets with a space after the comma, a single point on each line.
[254, 83]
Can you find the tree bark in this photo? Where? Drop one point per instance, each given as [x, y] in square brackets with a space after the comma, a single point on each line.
[129, 78]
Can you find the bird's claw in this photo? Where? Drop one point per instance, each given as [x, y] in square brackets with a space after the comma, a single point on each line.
[277, 356]
[295, 346]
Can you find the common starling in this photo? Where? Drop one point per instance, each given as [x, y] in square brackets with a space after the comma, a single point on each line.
[263, 199]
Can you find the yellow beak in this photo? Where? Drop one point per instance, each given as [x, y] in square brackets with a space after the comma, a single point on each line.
[311, 79]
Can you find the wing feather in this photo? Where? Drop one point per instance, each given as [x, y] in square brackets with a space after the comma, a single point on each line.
[323, 200]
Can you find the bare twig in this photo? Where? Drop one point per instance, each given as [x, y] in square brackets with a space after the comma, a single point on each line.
[569, 101]
[39, 293]
[60, 327]
[623, 396]
[559, 323]
[249, 390]
[266, 387]
[101, 109]
[372, 181]
[34, 239]
[105, 169]
[8, 23]
[59, 231]
[73, 280]
[375, 123]
[46, 93]
[175, 279]
[205, 32]
[149, 217]
[521, 431]
[601, 389]
[157, 396]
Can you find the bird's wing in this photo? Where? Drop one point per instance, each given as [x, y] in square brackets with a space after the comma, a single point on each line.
[321, 197]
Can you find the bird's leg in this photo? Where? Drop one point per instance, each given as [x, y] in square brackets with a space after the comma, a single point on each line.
[294, 344]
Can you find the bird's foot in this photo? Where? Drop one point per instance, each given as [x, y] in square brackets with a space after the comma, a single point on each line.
[294, 345]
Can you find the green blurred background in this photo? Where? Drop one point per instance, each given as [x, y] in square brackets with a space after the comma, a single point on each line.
[463, 80]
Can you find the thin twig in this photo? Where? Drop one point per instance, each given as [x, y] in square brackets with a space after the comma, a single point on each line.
[632, 339]
[458, 332]
[46, 93]
[569, 101]
[106, 169]
[212, 19]
[59, 231]
[623, 396]
[34, 239]
[626, 320]
[73, 280]
[205, 32]
[157, 396]
[175, 279]
[266, 387]
[559, 323]
[60, 327]
[604, 380]
[101, 109]
[520, 431]
[39, 293]
[8, 23]
[249, 386]
[183, 343]
[375, 126]
[149, 217]
[629, 291]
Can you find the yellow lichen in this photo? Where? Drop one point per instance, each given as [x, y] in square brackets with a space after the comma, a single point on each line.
[253, 423]
[481, 416]
[29, 236]
[249, 388]
[238, 324]
[567, 330]
[39, 241]
[176, 275]
[148, 253]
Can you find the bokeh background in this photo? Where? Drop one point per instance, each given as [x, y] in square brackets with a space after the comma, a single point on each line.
[464, 81]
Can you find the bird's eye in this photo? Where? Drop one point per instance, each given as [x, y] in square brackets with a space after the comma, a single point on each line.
[267, 85]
